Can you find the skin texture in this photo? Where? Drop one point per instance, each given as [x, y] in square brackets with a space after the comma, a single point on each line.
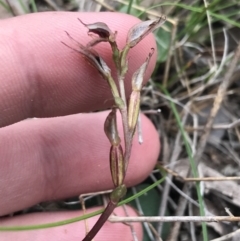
[67, 154]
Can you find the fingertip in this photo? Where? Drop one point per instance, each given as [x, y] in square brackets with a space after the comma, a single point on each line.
[68, 153]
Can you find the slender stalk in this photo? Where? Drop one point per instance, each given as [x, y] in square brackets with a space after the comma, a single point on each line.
[127, 137]
[118, 161]
[113, 87]
[124, 111]
[102, 219]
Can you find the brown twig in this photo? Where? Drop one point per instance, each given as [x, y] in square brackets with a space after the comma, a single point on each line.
[199, 179]
[182, 219]
[217, 104]
[227, 236]
[107, 6]
[214, 127]
[180, 211]
[175, 154]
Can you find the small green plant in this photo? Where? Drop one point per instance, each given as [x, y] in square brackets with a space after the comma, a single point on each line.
[129, 108]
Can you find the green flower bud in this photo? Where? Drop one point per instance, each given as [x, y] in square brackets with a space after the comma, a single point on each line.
[133, 109]
[91, 56]
[101, 29]
[118, 193]
[141, 30]
[110, 128]
[117, 165]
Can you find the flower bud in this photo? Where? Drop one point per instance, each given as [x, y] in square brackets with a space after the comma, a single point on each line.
[101, 29]
[141, 30]
[138, 76]
[134, 101]
[133, 109]
[117, 165]
[92, 57]
[110, 128]
[118, 193]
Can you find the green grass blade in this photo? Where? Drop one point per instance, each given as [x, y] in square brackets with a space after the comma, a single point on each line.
[180, 5]
[129, 7]
[225, 5]
[192, 163]
[34, 6]
[225, 19]
[5, 6]
[142, 192]
[23, 6]
[80, 218]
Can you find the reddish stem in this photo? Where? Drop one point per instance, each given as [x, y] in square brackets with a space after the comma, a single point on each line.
[102, 219]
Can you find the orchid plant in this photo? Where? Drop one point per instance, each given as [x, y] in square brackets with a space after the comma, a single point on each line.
[129, 108]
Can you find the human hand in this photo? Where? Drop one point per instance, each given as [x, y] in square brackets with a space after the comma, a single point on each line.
[54, 158]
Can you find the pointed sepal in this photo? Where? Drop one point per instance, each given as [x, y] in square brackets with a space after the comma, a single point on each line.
[101, 29]
[138, 76]
[110, 128]
[92, 57]
[141, 30]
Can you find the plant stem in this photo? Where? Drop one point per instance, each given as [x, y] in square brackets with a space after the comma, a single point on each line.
[102, 219]
[127, 137]
[124, 114]
[113, 87]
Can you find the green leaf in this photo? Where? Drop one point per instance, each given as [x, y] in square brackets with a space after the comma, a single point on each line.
[79, 218]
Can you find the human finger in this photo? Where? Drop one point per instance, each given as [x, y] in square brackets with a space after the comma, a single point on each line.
[40, 77]
[61, 157]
